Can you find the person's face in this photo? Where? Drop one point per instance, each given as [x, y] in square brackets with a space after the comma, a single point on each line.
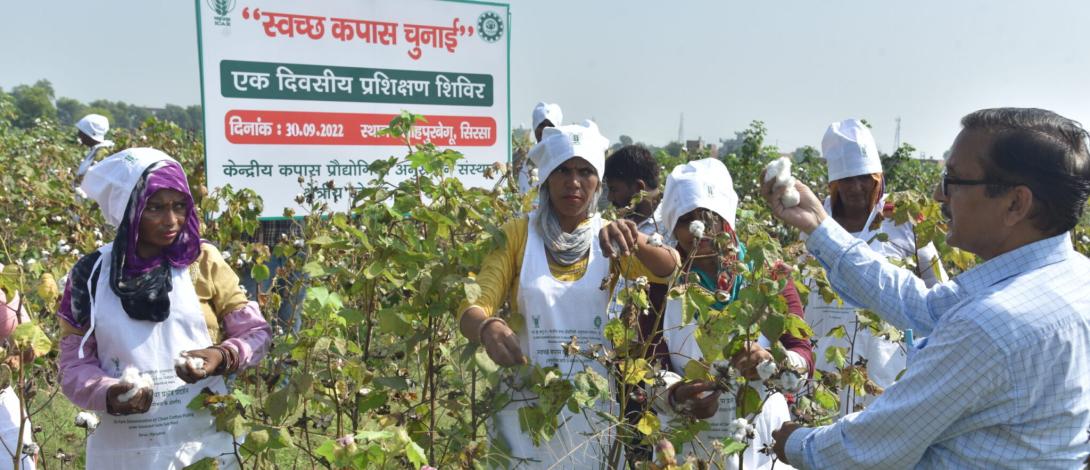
[621, 192]
[541, 128]
[687, 242]
[855, 194]
[974, 220]
[571, 186]
[85, 139]
[162, 221]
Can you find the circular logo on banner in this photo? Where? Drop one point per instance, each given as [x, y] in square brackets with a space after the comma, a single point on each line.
[490, 26]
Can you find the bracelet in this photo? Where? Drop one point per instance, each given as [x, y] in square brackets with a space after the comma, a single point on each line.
[484, 324]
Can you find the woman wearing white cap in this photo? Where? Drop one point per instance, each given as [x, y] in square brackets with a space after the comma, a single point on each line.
[544, 115]
[551, 270]
[857, 202]
[699, 204]
[152, 319]
[92, 130]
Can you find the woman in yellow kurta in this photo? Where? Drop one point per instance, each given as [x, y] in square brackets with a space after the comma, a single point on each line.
[551, 271]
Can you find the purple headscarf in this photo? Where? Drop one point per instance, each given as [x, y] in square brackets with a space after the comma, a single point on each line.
[186, 247]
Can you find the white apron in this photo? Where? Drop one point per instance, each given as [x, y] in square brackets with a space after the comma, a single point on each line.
[683, 347]
[169, 435]
[885, 358]
[9, 430]
[554, 312]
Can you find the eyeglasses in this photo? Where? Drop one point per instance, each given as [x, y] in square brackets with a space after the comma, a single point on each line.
[947, 181]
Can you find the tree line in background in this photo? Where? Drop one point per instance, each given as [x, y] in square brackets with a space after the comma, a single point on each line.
[39, 101]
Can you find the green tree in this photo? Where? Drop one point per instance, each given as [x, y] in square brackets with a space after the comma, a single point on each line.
[34, 102]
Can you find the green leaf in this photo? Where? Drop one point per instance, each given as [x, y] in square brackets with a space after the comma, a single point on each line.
[835, 355]
[732, 447]
[242, 397]
[695, 370]
[648, 424]
[280, 438]
[314, 269]
[589, 387]
[826, 399]
[772, 326]
[326, 451]
[29, 337]
[749, 401]
[634, 371]
[485, 363]
[798, 328]
[373, 435]
[394, 382]
[259, 272]
[207, 463]
[413, 451]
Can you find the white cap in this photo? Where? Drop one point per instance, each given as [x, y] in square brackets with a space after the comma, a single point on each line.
[110, 182]
[702, 183]
[850, 150]
[560, 144]
[550, 111]
[95, 126]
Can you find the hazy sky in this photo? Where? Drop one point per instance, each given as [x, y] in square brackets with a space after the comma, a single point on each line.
[637, 65]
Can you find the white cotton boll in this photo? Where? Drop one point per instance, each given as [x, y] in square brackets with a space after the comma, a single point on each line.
[654, 240]
[740, 430]
[766, 369]
[192, 362]
[780, 171]
[87, 419]
[132, 376]
[696, 228]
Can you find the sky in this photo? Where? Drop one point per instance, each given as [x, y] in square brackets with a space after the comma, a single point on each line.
[635, 66]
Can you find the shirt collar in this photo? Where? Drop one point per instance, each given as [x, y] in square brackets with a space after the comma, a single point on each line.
[1017, 261]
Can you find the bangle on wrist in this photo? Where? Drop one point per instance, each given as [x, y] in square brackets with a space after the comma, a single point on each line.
[484, 324]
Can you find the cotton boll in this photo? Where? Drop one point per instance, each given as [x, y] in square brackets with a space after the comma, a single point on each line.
[696, 228]
[766, 369]
[192, 362]
[132, 376]
[780, 171]
[87, 419]
[654, 240]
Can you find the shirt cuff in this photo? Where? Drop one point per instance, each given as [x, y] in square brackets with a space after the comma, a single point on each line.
[793, 450]
[828, 241]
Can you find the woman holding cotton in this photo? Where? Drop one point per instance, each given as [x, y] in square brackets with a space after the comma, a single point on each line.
[550, 271]
[698, 206]
[857, 201]
[152, 319]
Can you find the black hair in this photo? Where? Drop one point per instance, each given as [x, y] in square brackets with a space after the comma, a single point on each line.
[1043, 151]
[631, 163]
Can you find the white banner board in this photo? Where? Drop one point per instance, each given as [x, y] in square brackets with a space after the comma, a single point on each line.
[302, 89]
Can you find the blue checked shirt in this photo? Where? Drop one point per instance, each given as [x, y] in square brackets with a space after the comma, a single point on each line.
[1002, 380]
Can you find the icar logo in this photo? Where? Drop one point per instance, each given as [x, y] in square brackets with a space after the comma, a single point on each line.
[221, 8]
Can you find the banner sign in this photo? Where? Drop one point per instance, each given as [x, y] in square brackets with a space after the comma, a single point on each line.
[296, 90]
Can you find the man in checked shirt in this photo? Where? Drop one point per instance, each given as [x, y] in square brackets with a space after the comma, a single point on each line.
[1003, 378]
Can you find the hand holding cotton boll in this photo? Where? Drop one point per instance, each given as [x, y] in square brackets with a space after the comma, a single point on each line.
[779, 171]
[131, 395]
[199, 364]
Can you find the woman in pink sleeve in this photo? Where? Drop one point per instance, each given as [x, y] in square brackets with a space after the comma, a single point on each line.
[10, 409]
[152, 319]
